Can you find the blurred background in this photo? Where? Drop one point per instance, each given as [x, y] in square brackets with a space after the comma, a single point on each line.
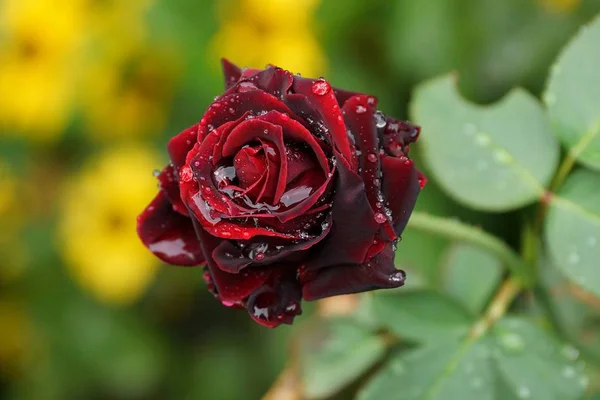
[90, 92]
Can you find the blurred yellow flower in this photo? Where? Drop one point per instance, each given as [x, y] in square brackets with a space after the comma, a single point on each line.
[276, 32]
[97, 229]
[39, 47]
[126, 96]
[560, 6]
[279, 14]
[16, 337]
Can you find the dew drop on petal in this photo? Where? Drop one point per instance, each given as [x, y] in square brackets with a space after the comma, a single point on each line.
[380, 218]
[186, 174]
[321, 87]
[380, 119]
[360, 109]
[372, 157]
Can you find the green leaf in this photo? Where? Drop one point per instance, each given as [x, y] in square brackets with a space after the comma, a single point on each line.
[448, 371]
[422, 316]
[573, 96]
[493, 158]
[516, 360]
[333, 358]
[573, 229]
[471, 274]
[535, 365]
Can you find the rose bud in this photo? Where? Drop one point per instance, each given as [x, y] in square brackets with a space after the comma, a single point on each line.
[286, 189]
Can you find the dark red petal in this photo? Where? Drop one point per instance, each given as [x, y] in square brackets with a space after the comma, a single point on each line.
[273, 80]
[168, 234]
[354, 224]
[231, 72]
[340, 94]
[231, 288]
[278, 301]
[397, 136]
[296, 132]
[253, 129]
[359, 114]
[250, 165]
[179, 146]
[234, 105]
[233, 258]
[169, 182]
[377, 273]
[324, 101]
[400, 188]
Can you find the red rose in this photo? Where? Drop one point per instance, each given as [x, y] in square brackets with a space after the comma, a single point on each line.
[286, 189]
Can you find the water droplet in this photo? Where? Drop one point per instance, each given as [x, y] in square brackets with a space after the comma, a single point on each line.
[225, 173]
[380, 119]
[372, 157]
[574, 257]
[360, 109]
[321, 87]
[380, 218]
[482, 165]
[523, 392]
[477, 382]
[324, 225]
[512, 342]
[482, 139]
[379, 204]
[470, 129]
[231, 110]
[569, 372]
[186, 174]
[570, 352]
[371, 100]
[591, 241]
[502, 156]
[246, 235]
[295, 195]
[156, 173]
[376, 182]
[257, 251]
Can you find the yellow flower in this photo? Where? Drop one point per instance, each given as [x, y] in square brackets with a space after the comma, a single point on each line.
[97, 228]
[126, 96]
[245, 44]
[560, 6]
[38, 53]
[273, 14]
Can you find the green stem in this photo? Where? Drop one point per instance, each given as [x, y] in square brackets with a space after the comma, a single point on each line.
[461, 232]
[505, 295]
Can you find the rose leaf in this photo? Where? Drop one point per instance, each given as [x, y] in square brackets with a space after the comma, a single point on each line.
[491, 158]
[573, 96]
[420, 315]
[573, 229]
[336, 354]
[470, 275]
